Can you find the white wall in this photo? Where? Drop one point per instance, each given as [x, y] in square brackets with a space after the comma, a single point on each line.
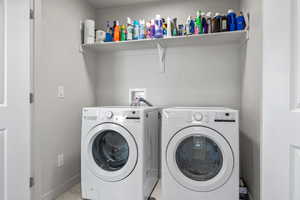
[251, 99]
[195, 76]
[1, 52]
[57, 122]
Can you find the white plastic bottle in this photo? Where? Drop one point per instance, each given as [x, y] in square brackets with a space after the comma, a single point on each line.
[129, 29]
[187, 26]
[169, 27]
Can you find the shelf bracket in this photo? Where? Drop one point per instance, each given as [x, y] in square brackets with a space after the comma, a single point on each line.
[162, 55]
[247, 25]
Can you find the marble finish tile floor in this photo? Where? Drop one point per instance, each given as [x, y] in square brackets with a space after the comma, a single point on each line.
[75, 193]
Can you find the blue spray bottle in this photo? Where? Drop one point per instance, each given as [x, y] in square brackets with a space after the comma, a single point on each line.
[136, 30]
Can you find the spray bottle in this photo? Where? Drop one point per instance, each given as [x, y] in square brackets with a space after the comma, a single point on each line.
[123, 32]
[152, 30]
[187, 26]
[136, 30]
[169, 27]
[198, 22]
[192, 26]
[142, 29]
[108, 35]
[209, 22]
[158, 27]
[175, 29]
[148, 30]
[204, 23]
[117, 31]
[129, 29]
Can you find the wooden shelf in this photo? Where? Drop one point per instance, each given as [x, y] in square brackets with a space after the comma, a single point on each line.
[190, 40]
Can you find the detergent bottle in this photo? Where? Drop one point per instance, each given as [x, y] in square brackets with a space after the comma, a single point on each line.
[158, 27]
[136, 30]
[129, 29]
[216, 23]
[231, 20]
[240, 22]
[117, 31]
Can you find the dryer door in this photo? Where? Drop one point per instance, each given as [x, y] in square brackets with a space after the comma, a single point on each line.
[200, 159]
[111, 152]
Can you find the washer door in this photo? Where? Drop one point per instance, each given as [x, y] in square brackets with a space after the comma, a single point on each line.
[111, 152]
[200, 159]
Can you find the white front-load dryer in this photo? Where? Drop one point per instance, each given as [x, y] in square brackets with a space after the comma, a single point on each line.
[119, 152]
[200, 154]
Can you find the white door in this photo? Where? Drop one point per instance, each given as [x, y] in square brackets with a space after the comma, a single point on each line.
[281, 100]
[200, 159]
[14, 101]
[111, 152]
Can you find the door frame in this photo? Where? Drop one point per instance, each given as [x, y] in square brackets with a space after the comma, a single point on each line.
[36, 190]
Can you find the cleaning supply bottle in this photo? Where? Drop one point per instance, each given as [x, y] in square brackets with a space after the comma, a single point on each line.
[148, 30]
[158, 27]
[169, 27]
[108, 35]
[123, 32]
[174, 28]
[136, 30]
[198, 22]
[142, 29]
[224, 23]
[192, 26]
[129, 29]
[216, 23]
[117, 31]
[187, 26]
[209, 22]
[152, 30]
[165, 30]
[204, 23]
[231, 20]
[240, 22]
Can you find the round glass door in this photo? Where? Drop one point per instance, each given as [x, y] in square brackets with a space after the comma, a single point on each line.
[111, 152]
[199, 158]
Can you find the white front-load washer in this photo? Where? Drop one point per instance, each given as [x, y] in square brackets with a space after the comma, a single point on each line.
[119, 152]
[200, 154]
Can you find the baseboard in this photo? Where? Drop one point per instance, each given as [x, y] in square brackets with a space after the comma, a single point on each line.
[60, 189]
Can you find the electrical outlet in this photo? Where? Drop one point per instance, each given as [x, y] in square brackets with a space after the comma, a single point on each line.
[61, 92]
[60, 160]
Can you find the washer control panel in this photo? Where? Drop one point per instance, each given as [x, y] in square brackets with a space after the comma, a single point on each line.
[225, 117]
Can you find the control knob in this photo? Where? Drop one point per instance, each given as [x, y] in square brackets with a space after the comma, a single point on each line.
[109, 114]
[198, 117]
